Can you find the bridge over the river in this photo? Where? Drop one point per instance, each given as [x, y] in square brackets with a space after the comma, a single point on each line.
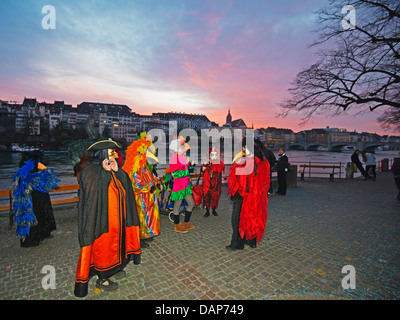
[337, 146]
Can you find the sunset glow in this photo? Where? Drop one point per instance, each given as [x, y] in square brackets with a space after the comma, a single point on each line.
[160, 56]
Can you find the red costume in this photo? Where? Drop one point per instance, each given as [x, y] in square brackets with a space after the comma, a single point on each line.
[252, 191]
[212, 180]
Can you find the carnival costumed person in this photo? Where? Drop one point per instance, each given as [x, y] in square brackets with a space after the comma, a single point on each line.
[179, 165]
[108, 223]
[144, 184]
[212, 181]
[248, 184]
[166, 204]
[32, 208]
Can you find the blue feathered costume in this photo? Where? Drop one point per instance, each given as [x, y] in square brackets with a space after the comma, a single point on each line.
[33, 212]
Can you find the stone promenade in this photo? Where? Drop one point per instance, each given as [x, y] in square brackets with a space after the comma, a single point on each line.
[311, 234]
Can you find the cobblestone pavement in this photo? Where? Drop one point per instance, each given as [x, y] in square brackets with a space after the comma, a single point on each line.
[311, 234]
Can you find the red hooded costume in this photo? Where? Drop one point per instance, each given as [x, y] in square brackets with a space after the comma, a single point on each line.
[212, 181]
[254, 190]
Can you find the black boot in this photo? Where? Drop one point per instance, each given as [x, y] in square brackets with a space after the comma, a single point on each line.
[143, 244]
[176, 218]
[31, 241]
[252, 243]
[188, 214]
[214, 212]
[207, 214]
[187, 225]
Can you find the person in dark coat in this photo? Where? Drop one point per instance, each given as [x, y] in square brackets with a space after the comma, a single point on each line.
[282, 168]
[108, 222]
[396, 174]
[357, 162]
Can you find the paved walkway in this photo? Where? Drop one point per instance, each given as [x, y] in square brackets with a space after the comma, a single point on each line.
[311, 234]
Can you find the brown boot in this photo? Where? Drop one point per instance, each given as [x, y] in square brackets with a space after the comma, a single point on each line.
[180, 228]
[188, 226]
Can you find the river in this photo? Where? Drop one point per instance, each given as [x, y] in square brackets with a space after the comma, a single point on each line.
[58, 161]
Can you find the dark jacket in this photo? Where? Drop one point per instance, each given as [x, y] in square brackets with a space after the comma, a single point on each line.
[283, 163]
[396, 167]
[355, 159]
[270, 157]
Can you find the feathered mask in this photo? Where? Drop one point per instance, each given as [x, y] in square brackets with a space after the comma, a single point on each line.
[137, 154]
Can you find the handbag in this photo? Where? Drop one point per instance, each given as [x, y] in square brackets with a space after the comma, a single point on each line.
[197, 191]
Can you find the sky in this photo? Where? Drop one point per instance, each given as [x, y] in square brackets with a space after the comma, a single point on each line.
[197, 56]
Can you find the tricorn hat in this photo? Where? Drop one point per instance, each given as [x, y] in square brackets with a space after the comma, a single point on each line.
[104, 144]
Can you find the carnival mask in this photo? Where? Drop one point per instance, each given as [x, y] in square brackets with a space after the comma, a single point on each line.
[244, 153]
[213, 155]
[112, 154]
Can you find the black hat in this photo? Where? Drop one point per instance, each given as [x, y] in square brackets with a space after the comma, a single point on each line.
[104, 144]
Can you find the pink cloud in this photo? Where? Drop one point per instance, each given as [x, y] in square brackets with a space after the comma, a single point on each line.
[183, 35]
[210, 19]
[217, 55]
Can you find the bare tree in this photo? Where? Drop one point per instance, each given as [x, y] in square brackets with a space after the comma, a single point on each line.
[390, 119]
[359, 66]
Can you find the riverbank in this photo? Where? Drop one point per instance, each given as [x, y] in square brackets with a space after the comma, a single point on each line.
[58, 161]
[311, 234]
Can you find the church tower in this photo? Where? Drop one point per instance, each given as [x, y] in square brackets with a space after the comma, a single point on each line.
[229, 117]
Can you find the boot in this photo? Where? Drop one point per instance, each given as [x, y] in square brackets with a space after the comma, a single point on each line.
[214, 212]
[143, 244]
[178, 225]
[207, 214]
[187, 224]
[106, 284]
[252, 243]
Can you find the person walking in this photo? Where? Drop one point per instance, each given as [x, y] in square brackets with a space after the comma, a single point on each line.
[282, 169]
[396, 174]
[370, 163]
[357, 162]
